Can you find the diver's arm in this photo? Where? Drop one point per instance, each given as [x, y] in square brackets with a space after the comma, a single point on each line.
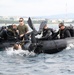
[52, 31]
[55, 35]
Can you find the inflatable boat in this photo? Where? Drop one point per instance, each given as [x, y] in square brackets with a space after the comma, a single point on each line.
[42, 46]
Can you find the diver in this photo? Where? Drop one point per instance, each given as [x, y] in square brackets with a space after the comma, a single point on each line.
[63, 31]
[12, 31]
[27, 44]
[9, 32]
[47, 33]
[17, 47]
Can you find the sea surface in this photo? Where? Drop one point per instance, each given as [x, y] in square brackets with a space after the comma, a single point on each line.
[26, 63]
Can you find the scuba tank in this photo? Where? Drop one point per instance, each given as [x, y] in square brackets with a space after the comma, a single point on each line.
[71, 30]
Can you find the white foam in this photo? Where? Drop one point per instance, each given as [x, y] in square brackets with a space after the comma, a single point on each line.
[70, 46]
[11, 51]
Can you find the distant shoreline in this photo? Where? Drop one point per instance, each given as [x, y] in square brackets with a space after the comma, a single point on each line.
[34, 22]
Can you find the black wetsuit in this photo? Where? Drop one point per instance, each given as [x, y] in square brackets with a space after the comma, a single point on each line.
[8, 33]
[47, 34]
[63, 33]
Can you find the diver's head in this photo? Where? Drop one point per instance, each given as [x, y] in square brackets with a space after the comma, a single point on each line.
[45, 27]
[16, 46]
[61, 26]
[14, 26]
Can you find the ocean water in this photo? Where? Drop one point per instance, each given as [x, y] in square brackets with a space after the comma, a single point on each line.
[26, 63]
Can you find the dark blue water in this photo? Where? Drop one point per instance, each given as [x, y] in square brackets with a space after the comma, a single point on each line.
[61, 63]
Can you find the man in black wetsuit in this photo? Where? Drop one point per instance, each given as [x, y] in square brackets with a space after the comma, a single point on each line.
[63, 31]
[9, 32]
[47, 33]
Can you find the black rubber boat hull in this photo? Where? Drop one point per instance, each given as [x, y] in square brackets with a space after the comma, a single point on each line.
[51, 47]
[47, 46]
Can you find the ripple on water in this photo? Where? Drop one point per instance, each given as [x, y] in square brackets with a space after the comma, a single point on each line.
[61, 63]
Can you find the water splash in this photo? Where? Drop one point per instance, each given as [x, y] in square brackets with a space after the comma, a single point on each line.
[11, 51]
[70, 46]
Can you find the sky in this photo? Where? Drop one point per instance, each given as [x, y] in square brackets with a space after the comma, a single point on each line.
[35, 7]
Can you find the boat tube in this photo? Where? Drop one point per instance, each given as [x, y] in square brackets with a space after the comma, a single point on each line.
[45, 46]
[48, 46]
